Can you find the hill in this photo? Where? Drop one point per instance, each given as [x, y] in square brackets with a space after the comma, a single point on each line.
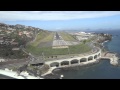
[12, 37]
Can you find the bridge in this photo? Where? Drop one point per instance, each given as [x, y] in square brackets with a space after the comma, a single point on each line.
[81, 60]
[75, 61]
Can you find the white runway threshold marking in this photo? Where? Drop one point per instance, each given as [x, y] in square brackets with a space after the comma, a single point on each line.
[58, 42]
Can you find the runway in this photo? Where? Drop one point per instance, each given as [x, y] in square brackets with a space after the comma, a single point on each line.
[58, 41]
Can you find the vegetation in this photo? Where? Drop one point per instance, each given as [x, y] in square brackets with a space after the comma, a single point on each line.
[48, 51]
[78, 49]
[13, 38]
[67, 37]
[48, 38]
[9, 53]
[6, 49]
[84, 41]
[43, 36]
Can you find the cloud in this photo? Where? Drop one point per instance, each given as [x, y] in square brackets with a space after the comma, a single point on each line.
[53, 15]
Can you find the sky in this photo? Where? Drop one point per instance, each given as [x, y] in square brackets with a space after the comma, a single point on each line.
[63, 20]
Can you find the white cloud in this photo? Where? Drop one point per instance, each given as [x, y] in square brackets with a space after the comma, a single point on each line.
[53, 15]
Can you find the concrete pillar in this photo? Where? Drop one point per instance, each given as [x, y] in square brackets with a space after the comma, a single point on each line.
[69, 63]
[78, 61]
[93, 57]
[86, 59]
[59, 64]
[100, 54]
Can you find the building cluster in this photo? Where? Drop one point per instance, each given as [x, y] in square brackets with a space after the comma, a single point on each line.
[18, 29]
[17, 26]
[103, 37]
[27, 33]
[8, 31]
[83, 36]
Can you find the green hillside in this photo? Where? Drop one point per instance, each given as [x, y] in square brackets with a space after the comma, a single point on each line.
[67, 37]
[47, 37]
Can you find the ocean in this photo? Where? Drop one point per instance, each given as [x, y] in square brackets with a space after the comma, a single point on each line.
[101, 70]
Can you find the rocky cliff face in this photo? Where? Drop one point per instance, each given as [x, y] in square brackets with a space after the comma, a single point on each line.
[104, 37]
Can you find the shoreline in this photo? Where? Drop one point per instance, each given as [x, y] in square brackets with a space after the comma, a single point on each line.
[54, 75]
[79, 65]
[89, 64]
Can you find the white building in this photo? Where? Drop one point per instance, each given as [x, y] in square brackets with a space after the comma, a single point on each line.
[80, 38]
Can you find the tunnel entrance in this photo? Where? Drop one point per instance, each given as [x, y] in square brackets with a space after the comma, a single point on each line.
[95, 56]
[55, 64]
[75, 61]
[90, 58]
[64, 63]
[83, 60]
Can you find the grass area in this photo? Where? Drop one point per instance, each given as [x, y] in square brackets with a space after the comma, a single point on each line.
[78, 49]
[48, 38]
[91, 39]
[67, 37]
[48, 51]
[42, 37]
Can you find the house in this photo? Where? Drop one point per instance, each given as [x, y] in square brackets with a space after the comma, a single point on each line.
[14, 43]
[12, 40]
[8, 32]
[15, 49]
[29, 36]
[24, 32]
[81, 38]
[20, 33]
[2, 60]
